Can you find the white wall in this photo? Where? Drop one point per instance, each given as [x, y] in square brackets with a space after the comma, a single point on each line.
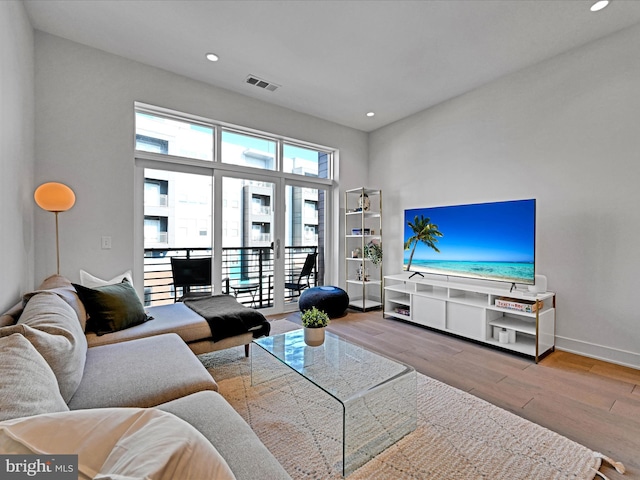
[16, 153]
[565, 132]
[85, 138]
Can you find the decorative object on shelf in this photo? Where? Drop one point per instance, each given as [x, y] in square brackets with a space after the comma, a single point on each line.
[362, 274]
[55, 197]
[314, 322]
[373, 251]
[364, 203]
[356, 253]
[529, 306]
[496, 333]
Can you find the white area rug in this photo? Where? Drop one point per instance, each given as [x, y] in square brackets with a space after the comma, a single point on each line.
[459, 436]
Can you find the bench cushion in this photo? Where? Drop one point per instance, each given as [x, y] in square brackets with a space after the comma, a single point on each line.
[174, 318]
[140, 373]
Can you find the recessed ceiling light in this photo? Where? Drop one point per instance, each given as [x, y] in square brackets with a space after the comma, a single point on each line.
[212, 57]
[599, 5]
[370, 114]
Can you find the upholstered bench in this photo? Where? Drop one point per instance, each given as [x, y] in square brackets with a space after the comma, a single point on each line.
[174, 318]
[332, 300]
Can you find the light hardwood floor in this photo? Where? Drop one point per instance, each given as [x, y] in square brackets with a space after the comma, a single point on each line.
[594, 403]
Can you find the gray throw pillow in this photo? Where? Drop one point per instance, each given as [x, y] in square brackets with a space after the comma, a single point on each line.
[52, 327]
[111, 307]
[28, 385]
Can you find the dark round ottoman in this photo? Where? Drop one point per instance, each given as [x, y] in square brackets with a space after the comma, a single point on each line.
[332, 300]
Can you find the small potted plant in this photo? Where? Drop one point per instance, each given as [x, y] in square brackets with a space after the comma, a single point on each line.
[314, 322]
[373, 251]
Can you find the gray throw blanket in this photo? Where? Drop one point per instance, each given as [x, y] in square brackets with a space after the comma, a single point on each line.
[228, 318]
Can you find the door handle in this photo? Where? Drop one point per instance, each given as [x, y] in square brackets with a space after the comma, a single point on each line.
[278, 248]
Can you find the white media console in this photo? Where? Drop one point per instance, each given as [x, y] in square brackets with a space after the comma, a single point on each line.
[469, 310]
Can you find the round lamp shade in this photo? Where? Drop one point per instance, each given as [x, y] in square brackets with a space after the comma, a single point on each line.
[54, 197]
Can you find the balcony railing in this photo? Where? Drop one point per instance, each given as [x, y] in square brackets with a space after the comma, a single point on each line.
[246, 266]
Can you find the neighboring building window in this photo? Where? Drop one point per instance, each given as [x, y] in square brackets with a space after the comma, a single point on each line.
[156, 192]
[311, 209]
[151, 144]
[260, 204]
[155, 230]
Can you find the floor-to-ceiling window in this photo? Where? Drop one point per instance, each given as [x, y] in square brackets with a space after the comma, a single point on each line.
[256, 203]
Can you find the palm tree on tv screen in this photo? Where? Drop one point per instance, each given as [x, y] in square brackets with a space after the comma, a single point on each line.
[423, 231]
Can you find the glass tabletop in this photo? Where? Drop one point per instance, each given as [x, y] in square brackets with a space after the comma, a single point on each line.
[340, 368]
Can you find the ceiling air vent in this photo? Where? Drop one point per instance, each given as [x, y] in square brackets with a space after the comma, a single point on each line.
[258, 82]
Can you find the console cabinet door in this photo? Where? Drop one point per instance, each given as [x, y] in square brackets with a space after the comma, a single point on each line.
[428, 311]
[466, 320]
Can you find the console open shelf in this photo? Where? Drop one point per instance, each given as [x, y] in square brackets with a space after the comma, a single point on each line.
[469, 310]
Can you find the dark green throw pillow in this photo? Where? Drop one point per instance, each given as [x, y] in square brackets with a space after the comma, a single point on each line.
[111, 307]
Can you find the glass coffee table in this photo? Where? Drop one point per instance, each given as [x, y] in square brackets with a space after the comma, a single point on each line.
[376, 395]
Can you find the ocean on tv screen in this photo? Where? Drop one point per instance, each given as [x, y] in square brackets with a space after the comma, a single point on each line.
[513, 272]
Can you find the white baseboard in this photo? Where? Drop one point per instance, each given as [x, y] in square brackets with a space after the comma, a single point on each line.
[599, 352]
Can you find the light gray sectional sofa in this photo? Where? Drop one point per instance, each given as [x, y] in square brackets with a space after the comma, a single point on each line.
[50, 373]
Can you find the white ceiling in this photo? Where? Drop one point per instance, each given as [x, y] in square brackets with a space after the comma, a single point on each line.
[337, 60]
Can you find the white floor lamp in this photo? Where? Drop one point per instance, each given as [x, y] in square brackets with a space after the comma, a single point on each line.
[55, 197]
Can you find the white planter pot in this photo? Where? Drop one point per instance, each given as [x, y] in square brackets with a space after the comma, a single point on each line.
[314, 336]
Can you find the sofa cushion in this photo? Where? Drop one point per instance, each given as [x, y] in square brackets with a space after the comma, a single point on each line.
[171, 318]
[52, 327]
[88, 280]
[140, 373]
[111, 307]
[212, 415]
[129, 443]
[28, 385]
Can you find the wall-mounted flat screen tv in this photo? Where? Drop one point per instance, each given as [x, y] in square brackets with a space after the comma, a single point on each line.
[489, 241]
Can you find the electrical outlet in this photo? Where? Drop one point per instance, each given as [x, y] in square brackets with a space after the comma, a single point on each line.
[106, 243]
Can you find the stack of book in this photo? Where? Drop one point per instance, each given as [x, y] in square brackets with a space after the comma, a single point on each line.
[527, 306]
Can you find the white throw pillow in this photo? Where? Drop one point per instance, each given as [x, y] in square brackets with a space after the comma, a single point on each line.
[88, 280]
[119, 443]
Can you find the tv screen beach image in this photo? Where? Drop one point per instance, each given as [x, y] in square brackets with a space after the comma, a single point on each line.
[491, 241]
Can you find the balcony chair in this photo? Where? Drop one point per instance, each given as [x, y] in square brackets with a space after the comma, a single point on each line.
[305, 273]
[191, 273]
